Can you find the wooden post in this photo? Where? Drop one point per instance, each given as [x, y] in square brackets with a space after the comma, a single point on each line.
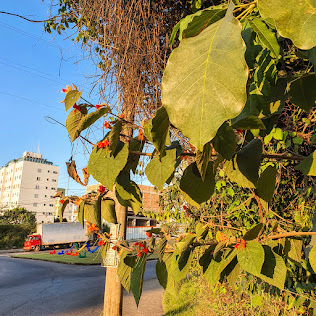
[113, 294]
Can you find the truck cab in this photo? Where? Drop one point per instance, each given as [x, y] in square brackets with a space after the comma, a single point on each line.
[33, 242]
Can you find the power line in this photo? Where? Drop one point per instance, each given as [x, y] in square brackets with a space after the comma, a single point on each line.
[29, 100]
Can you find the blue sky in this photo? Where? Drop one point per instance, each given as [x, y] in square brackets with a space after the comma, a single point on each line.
[34, 67]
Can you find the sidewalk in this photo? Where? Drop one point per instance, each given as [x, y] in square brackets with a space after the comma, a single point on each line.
[4, 251]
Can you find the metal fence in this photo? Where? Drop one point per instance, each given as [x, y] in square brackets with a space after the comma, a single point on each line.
[137, 232]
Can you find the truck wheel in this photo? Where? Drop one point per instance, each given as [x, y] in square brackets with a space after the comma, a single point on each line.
[37, 248]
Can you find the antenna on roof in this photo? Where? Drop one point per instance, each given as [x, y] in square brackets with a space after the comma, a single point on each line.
[38, 149]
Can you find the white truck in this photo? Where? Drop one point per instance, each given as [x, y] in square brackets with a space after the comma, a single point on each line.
[56, 234]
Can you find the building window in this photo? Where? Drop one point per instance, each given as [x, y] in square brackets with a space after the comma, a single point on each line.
[51, 205]
[54, 180]
[53, 188]
[45, 195]
[44, 204]
[37, 187]
[55, 172]
[36, 195]
[46, 187]
[48, 171]
[39, 170]
[47, 179]
[38, 178]
[35, 204]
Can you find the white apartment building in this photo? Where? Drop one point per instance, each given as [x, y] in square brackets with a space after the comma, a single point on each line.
[30, 182]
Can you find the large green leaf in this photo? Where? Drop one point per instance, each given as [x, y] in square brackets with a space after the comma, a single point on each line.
[160, 130]
[294, 249]
[90, 118]
[251, 258]
[108, 210]
[312, 56]
[62, 209]
[196, 191]
[274, 269]
[312, 258]
[294, 19]
[114, 135]
[266, 36]
[137, 277]
[160, 169]
[72, 122]
[244, 167]
[81, 213]
[266, 184]
[161, 247]
[104, 167]
[97, 211]
[89, 214]
[181, 262]
[202, 19]
[204, 83]
[303, 92]
[217, 266]
[308, 165]
[225, 141]
[71, 98]
[253, 232]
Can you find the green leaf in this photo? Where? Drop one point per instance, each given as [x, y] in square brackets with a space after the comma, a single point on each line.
[217, 266]
[244, 168]
[274, 269]
[253, 232]
[180, 263]
[233, 273]
[62, 209]
[72, 123]
[225, 141]
[81, 213]
[312, 258]
[160, 169]
[196, 191]
[204, 83]
[249, 122]
[303, 92]
[174, 33]
[71, 98]
[251, 258]
[114, 136]
[90, 118]
[294, 247]
[266, 36]
[89, 213]
[203, 158]
[104, 167]
[160, 130]
[294, 19]
[124, 271]
[207, 257]
[108, 210]
[132, 161]
[161, 247]
[128, 193]
[97, 211]
[137, 277]
[308, 165]
[202, 19]
[266, 184]
[147, 130]
[312, 56]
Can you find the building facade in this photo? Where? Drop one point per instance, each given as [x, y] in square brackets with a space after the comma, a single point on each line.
[30, 182]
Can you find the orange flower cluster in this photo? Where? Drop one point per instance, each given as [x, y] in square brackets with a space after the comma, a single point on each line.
[101, 242]
[101, 189]
[222, 237]
[240, 244]
[106, 124]
[149, 234]
[68, 88]
[98, 106]
[141, 136]
[92, 228]
[77, 108]
[104, 144]
[122, 116]
[61, 201]
[141, 248]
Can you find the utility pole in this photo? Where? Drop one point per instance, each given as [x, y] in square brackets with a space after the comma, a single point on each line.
[113, 294]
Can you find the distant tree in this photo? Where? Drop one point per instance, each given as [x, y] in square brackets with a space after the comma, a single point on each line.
[18, 215]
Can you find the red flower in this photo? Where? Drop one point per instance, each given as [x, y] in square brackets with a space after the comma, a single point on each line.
[122, 116]
[76, 107]
[61, 201]
[139, 254]
[101, 242]
[243, 244]
[237, 246]
[114, 248]
[185, 207]
[106, 143]
[239, 131]
[101, 189]
[106, 124]
[100, 145]
[149, 234]
[141, 136]
[98, 106]
[140, 245]
[145, 250]
[136, 244]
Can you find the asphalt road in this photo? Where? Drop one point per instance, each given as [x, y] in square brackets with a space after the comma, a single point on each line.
[36, 288]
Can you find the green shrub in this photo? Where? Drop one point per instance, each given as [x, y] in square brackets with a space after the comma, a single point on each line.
[14, 235]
